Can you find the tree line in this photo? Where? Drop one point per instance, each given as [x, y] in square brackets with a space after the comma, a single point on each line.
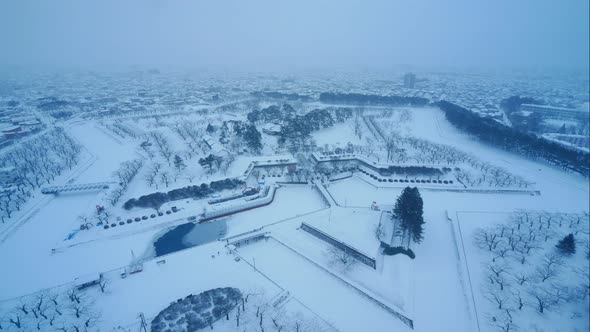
[280, 95]
[36, 162]
[364, 99]
[155, 200]
[497, 134]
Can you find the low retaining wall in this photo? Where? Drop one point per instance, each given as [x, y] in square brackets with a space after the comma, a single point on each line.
[363, 258]
[210, 215]
[341, 176]
[268, 163]
[249, 239]
[392, 311]
[326, 200]
[372, 165]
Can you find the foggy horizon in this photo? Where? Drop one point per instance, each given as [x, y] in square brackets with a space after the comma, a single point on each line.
[267, 36]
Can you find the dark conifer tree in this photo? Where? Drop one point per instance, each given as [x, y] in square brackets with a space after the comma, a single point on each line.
[567, 245]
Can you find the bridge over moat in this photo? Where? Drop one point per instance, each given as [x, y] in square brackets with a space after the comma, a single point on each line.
[77, 187]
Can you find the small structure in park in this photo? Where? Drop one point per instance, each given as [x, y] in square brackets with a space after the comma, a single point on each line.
[374, 206]
[88, 280]
[76, 187]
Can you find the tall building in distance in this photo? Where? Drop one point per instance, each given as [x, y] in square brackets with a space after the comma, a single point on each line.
[409, 80]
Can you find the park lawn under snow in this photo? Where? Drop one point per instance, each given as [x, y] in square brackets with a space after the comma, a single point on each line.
[434, 288]
[325, 295]
[337, 136]
[290, 202]
[568, 316]
[46, 230]
[183, 273]
[391, 282]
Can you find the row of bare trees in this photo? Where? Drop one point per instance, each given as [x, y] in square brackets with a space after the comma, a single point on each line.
[125, 174]
[57, 310]
[123, 130]
[402, 149]
[36, 162]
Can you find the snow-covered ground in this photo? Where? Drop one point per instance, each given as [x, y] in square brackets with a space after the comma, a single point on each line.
[438, 290]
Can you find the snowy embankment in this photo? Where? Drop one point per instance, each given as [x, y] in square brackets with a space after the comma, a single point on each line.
[331, 299]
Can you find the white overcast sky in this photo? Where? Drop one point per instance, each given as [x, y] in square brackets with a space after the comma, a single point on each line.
[293, 34]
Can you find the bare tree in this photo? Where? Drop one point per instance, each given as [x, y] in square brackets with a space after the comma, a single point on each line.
[503, 321]
[342, 258]
[165, 177]
[497, 297]
[103, 283]
[519, 299]
[542, 297]
[548, 267]
[486, 238]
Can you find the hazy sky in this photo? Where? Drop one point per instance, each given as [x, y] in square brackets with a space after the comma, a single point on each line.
[295, 34]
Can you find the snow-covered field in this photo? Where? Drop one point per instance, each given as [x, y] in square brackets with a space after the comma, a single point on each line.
[439, 290]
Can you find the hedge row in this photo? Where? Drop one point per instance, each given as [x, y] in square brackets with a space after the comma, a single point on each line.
[410, 170]
[363, 99]
[390, 251]
[155, 200]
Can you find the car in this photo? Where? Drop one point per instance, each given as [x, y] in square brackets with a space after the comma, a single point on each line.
[168, 211]
[160, 214]
[144, 217]
[121, 223]
[129, 221]
[137, 218]
[152, 215]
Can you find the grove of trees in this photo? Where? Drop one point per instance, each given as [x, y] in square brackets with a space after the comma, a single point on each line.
[495, 133]
[61, 310]
[532, 268]
[155, 200]
[363, 99]
[37, 162]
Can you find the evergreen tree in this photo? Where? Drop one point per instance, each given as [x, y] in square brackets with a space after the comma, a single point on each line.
[179, 163]
[417, 228]
[207, 162]
[567, 245]
[408, 210]
[210, 129]
[253, 138]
